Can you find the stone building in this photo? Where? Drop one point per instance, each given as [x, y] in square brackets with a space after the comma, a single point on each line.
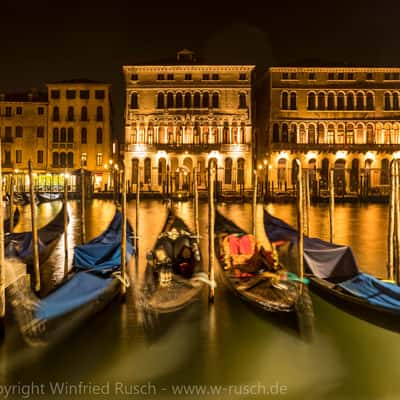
[23, 129]
[341, 118]
[179, 115]
[79, 126]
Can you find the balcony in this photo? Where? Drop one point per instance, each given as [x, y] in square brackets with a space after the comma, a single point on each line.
[189, 147]
[7, 164]
[333, 148]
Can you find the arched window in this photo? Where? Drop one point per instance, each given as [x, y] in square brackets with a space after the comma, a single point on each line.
[160, 100]
[84, 113]
[311, 101]
[99, 136]
[225, 134]
[293, 101]
[385, 172]
[285, 133]
[395, 134]
[63, 135]
[387, 101]
[350, 134]
[302, 134]
[321, 101]
[360, 101]
[70, 135]
[242, 100]
[331, 134]
[196, 100]
[312, 138]
[370, 134]
[84, 136]
[55, 135]
[178, 100]
[135, 170]
[350, 101]
[63, 160]
[331, 101]
[370, 101]
[206, 100]
[275, 133]
[395, 101]
[170, 100]
[340, 101]
[228, 171]
[134, 100]
[99, 113]
[147, 170]
[282, 173]
[293, 133]
[56, 113]
[188, 100]
[70, 113]
[215, 100]
[285, 101]
[240, 171]
[55, 159]
[360, 139]
[321, 134]
[70, 159]
[340, 134]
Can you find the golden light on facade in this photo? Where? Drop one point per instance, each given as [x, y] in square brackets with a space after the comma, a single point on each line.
[396, 155]
[311, 155]
[16, 170]
[67, 175]
[105, 166]
[283, 154]
[370, 155]
[341, 154]
[260, 167]
[265, 161]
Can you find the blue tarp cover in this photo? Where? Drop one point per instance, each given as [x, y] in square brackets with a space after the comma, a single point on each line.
[324, 260]
[103, 253]
[79, 290]
[374, 291]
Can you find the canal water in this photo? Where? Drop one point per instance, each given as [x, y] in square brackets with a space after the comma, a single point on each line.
[225, 350]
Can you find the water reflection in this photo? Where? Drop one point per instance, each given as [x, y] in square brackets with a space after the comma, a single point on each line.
[226, 343]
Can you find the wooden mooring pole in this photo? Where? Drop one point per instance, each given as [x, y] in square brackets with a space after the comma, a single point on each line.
[65, 204]
[83, 207]
[331, 205]
[254, 209]
[306, 202]
[123, 238]
[391, 224]
[211, 223]
[11, 200]
[300, 221]
[2, 265]
[397, 223]
[34, 229]
[196, 203]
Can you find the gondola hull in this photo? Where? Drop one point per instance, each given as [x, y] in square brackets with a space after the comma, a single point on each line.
[290, 303]
[180, 292]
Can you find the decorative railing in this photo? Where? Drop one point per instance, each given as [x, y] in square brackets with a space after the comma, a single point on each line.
[189, 147]
[305, 147]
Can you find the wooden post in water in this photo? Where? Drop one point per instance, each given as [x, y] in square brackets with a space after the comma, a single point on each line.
[300, 221]
[65, 203]
[391, 225]
[137, 213]
[34, 229]
[307, 202]
[254, 209]
[211, 223]
[2, 266]
[331, 205]
[123, 238]
[196, 203]
[397, 223]
[83, 207]
[11, 199]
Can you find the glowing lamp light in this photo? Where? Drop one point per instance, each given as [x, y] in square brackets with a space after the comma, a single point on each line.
[396, 155]
[370, 155]
[105, 166]
[265, 162]
[311, 155]
[283, 154]
[260, 167]
[16, 171]
[341, 154]
[67, 175]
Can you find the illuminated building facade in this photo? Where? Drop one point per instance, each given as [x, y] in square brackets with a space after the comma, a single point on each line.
[178, 116]
[347, 119]
[79, 126]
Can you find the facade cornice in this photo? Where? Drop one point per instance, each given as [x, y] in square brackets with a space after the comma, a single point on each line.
[186, 68]
[333, 69]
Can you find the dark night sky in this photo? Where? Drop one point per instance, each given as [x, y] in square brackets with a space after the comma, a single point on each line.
[43, 41]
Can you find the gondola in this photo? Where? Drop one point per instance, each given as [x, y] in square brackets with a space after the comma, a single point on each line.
[20, 244]
[174, 276]
[44, 197]
[268, 287]
[335, 275]
[92, 284]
